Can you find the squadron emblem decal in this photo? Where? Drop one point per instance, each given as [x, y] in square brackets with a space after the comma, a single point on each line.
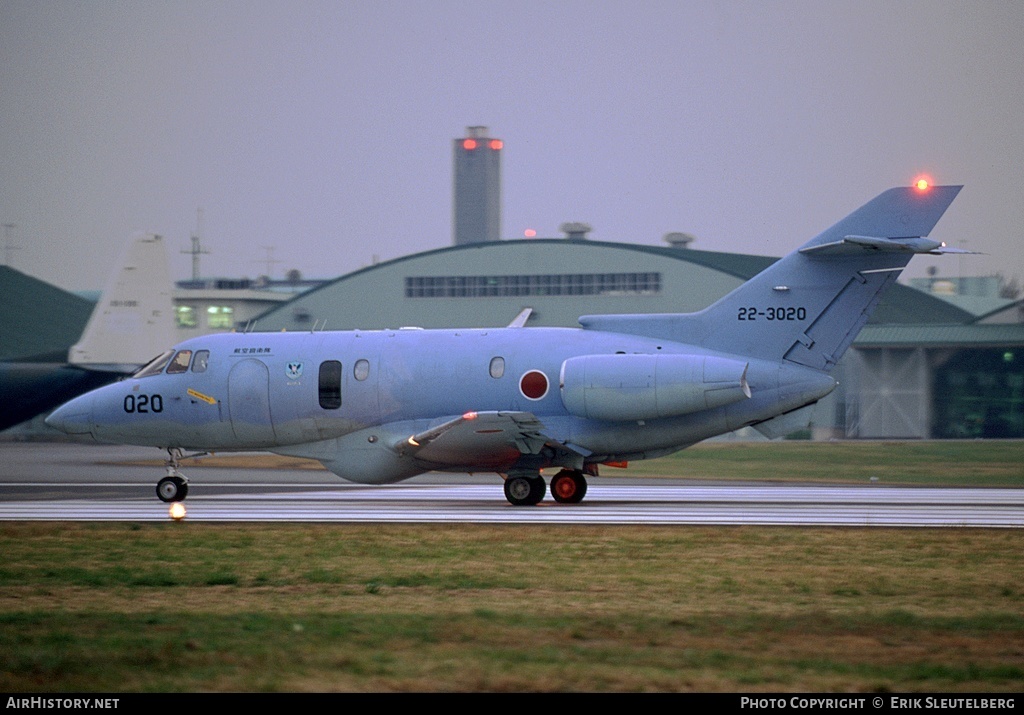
[293, 371]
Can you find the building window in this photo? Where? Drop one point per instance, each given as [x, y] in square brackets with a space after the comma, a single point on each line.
[519, 286]
[185, 316]
[220, 316]
[330, 384]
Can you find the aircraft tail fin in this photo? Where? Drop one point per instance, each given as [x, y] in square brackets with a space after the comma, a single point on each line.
[810, 305]
[134, 318]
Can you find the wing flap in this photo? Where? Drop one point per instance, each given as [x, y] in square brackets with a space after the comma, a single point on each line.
[479, 439]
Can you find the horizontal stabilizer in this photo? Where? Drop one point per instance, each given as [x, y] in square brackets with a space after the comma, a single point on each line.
[900, 213]
[858, 245]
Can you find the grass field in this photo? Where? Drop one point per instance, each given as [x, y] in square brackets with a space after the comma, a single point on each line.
[464, 608]
[978, 463]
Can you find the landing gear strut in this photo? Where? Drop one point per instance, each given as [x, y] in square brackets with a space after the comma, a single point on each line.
[173, 487]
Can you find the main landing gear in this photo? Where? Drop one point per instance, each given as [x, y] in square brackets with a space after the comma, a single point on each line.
[569, 486]
[173, 487]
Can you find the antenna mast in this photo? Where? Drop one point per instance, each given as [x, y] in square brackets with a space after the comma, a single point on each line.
[270, 260]
[197, 248]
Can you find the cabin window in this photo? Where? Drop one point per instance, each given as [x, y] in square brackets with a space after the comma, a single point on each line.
[330, 384]
[156, 365]
[362, 369]
[497, 367]
[180, 362]
[201, 360]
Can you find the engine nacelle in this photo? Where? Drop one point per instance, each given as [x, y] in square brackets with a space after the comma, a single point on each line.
[644, 387]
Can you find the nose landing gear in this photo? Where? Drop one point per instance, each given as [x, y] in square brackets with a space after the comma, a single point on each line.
[173, 487]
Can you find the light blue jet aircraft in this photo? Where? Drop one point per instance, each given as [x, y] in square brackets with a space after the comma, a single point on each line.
[377, 407]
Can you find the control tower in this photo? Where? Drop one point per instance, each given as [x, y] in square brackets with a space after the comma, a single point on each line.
[476, 194]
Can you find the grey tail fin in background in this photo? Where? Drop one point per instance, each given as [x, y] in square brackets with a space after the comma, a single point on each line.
[134, 318]
[809, 306]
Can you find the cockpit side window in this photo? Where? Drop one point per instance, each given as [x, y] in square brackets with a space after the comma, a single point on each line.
[180, 362]
[201, 360]
[156, 365]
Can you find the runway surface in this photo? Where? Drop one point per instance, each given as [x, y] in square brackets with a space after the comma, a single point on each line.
[63, 482]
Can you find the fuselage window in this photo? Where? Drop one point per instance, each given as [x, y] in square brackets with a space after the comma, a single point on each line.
[180, 362]
[362, 369]
[156, 365]
[202, 359]
[330, 384]
[497, 367]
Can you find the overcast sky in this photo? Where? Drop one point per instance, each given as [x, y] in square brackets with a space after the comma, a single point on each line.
[323, 130]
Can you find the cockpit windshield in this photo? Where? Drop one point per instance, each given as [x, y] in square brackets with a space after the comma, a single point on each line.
[180, 362]
[155, 366]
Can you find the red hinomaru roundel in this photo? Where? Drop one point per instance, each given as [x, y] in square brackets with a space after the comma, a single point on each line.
[534, 384]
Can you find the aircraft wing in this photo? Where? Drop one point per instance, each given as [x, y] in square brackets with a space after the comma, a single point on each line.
[479, 438]
[520, 320]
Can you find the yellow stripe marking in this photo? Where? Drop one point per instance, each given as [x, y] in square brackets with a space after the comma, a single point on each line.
[201, 396]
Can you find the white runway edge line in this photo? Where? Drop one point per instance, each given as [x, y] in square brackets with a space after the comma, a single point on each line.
[755, 505]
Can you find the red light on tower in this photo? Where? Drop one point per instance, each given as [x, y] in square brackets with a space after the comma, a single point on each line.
[469, 144]
[496, 144]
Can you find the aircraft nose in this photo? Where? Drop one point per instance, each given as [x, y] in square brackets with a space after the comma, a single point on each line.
[74, 417]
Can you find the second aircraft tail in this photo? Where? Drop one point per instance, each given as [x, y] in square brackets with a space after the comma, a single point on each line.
[134, 318]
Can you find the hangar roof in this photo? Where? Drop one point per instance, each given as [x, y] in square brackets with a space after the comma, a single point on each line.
[941, 336]
[38, 321]
[373, 297]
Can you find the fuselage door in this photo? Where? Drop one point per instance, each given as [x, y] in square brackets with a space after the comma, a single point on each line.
[249, 403]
